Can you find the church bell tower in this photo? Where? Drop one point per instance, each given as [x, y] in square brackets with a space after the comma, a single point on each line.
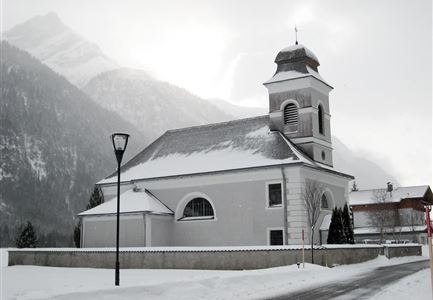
[299, 103]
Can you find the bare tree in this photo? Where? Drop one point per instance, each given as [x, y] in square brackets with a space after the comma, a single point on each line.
[312, 196]
[412, 219]
[383, 215]
[397, 224]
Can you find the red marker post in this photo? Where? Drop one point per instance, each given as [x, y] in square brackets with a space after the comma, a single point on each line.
[303, 253]
[429, 232]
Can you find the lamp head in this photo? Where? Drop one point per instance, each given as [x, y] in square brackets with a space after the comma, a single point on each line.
[120, 141]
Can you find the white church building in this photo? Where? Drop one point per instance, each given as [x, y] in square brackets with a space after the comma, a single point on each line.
[235, 183]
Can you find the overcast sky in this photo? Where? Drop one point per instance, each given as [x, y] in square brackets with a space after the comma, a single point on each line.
[376, 54]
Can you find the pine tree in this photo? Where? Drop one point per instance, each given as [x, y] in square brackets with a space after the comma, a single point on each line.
[4, 236]
[348, 226]
[96, 198]
[336, 229]
[332, 228]
[77, 235]
[341, 237]
[27, 237]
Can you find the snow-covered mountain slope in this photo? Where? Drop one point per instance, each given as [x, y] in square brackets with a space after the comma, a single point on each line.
[368, 174]
[151, 105]
[238, 111]
[59, 47]
[54, 144]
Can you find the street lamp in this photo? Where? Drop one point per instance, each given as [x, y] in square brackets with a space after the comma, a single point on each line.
[120, 140]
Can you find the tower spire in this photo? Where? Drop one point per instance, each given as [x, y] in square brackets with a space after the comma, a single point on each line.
[296, 34]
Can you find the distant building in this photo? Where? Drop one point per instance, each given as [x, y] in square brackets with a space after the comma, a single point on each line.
[234, 183]
[405, 213]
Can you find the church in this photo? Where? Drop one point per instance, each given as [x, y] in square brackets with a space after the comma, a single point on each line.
[236, 183]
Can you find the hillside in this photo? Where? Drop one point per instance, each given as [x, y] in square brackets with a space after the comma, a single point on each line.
[153, 106]
[238, 111]
[367, 173]
[54, 144]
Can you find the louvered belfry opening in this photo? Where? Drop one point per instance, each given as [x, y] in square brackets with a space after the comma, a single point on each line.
[291, 114]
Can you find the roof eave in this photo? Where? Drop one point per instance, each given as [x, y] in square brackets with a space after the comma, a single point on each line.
[230, 170]
[202, 173]
[270, 81]
[332, 171]
[126, 213]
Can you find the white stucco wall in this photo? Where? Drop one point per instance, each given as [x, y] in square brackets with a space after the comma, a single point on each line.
[159, 230]
[361, 219]
[239, 200]
[336, 188]
[100, 231]
[240, 205]
[408, 217]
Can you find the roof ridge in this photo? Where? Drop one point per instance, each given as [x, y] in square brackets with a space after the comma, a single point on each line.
[214, 124]
[395, 188]
[409, 186]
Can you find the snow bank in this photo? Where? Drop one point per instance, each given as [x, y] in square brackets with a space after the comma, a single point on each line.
[31, 282]
[4, 256]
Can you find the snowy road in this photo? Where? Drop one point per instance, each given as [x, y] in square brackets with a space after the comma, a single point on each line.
[362, 286]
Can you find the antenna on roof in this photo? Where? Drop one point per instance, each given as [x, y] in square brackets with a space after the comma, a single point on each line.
[296, 35]
[389, 188]
[354, 187]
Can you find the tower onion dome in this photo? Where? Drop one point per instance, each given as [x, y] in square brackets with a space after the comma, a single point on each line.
[296, 58]
[296, 62]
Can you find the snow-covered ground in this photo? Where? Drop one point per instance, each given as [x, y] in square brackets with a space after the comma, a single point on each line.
[32, 282]
[415, 286]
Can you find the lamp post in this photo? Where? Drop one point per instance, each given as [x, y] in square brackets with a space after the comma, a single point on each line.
[120, 140]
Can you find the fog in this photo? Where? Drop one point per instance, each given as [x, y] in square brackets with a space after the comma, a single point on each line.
[376, 55]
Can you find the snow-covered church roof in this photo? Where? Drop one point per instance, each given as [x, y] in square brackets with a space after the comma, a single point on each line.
[238, 144]
[132, 201]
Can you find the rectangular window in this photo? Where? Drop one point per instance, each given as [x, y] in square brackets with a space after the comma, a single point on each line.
[274, 194]
[276, 237]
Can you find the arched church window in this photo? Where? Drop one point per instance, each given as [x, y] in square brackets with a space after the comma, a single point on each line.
[320, 116]
[291, 114]
[325, 203]
[198, 207]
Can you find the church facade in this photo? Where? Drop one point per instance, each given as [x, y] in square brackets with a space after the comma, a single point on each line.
[235, 183]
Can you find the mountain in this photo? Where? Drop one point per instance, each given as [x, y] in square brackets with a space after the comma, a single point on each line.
[54, 144]
[59, 47]
[153, 106]
[238, 111]
[367, 173]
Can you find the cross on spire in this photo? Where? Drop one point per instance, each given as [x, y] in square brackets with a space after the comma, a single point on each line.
[296, 35]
